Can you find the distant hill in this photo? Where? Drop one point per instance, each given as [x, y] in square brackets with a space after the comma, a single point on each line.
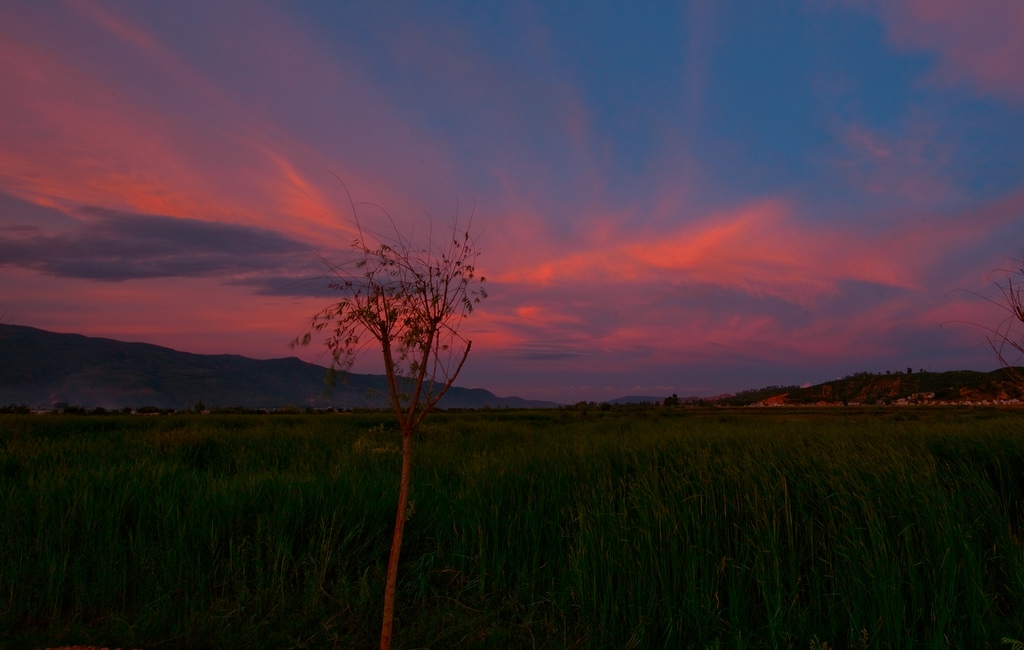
[41, 369]
[958, 386]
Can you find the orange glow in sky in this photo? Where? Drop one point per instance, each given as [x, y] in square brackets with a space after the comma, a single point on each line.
[694, 202]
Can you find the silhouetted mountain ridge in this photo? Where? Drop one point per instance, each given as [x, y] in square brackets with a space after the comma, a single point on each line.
[40, 369]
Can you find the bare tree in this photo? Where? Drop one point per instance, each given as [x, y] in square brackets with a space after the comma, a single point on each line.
[408, 299]
[1007, 338]
[5, 318]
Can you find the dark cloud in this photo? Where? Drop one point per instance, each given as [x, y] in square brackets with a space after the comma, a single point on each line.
[276, 284]
[18, 214]
[544, 351]
[114, 246]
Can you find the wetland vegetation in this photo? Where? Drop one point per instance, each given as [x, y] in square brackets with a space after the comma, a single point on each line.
[623, 527]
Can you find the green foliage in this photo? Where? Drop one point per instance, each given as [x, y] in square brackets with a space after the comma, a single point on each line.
[639, 528]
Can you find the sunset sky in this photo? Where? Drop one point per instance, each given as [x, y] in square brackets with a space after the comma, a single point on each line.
[691, 198]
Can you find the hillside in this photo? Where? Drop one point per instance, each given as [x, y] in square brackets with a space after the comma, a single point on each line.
[959, 386]
[41, 369]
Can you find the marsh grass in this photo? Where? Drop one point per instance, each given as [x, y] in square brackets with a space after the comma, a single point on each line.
[548, 529]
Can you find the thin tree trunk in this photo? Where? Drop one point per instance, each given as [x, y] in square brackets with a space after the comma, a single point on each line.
[396, 542]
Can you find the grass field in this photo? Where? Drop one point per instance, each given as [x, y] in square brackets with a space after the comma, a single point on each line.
[653, 528]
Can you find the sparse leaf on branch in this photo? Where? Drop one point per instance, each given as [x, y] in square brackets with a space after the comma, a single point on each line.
[1007, 338]
[409, 300]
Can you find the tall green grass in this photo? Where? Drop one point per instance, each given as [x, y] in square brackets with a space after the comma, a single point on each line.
[548, 529]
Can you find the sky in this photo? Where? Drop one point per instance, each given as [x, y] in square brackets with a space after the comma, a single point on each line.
[693, 198]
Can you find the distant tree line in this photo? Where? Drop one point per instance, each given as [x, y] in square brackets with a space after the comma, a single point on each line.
[62, 408]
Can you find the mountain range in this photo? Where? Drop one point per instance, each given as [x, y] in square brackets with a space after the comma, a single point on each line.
[42, 369]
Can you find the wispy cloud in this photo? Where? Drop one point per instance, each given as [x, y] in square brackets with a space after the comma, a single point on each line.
[116, 117]
[759, 249]
[647, 200]
[911, 166]
[977, 44]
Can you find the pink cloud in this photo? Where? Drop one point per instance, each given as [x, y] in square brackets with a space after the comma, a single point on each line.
[759, 281]
[977, 43]
[73, 138]
[760, 249]
[910, 166]
[215, 321]
[590, 282]
[77, 130]
[122, 29]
